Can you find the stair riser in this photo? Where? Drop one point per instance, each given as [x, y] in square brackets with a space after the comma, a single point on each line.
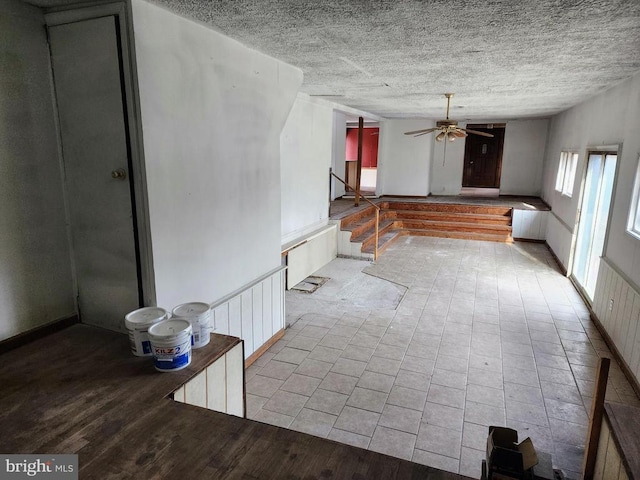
[452, 227]
[385, 245]
[462, 235]
[438, 207]
[371, 239]
[371, 223]
[355, 217]
[472, 222]
[497, 220]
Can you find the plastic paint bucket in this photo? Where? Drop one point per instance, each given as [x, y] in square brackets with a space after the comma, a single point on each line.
[199, 314]
[137, 323]
[171, 344]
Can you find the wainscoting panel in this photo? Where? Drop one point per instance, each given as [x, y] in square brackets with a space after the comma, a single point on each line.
[254, 313]
[559, 238]
[529, 224]
[621, 319]
[315, 252]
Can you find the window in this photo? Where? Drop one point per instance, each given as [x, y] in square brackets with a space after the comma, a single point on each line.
[633, 224]
[566, 173]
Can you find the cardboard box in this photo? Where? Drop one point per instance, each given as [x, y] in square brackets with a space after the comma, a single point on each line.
[506, 458]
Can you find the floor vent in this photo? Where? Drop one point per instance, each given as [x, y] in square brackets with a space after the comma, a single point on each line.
[310, 284]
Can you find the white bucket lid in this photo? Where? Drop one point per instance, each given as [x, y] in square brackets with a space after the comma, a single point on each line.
[144, 317]
[167, 329]
[193, 309]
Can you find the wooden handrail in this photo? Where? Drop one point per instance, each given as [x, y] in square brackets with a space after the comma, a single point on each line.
[375, 246]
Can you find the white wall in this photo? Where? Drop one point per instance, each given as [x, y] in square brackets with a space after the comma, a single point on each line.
[522, 159]
[339, 153]
[404, 161]
[35, 274]
[312, 141]
[212, 113]
[611, 118]
[447, 165]
[306, 152]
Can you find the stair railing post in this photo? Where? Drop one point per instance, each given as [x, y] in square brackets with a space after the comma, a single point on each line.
[330, 183]
[359, 159]
[375, 248]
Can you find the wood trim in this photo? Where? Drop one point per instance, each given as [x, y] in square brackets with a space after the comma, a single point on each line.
[623, 428]
[37, 333]
[595, 419]
[359, 159]
[258, 353]
[555, 257]
[529, 240]
[253, 283]
[244, 382]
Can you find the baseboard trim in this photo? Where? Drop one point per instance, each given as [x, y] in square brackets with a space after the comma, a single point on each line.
[555, 257]
[258, 353]
[528, 240]
[37, 333]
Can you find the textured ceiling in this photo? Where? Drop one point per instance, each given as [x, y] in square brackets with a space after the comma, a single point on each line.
[395, 58]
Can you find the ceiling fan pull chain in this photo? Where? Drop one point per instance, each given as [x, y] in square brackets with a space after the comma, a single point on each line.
[444, 155]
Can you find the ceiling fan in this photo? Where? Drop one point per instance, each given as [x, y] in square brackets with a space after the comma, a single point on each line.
[449, 129]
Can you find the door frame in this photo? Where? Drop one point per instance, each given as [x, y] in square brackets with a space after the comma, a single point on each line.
[139, 196]
[486, 126]
[609, 148]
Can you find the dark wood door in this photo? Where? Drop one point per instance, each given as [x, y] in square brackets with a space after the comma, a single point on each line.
[483, 158]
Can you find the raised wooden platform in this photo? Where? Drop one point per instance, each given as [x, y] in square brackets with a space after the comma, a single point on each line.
[80, 391]
[399, 218]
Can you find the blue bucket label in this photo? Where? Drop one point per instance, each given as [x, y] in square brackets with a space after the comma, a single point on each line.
[146, 347]
[140, 344]
[172, 358]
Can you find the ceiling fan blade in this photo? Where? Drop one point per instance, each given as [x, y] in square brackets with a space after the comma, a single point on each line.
[459, 133]
[475, 132]
[426, 130]
[420, 134]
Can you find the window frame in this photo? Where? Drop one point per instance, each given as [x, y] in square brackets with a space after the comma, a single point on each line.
[633, 219]
[566, 176]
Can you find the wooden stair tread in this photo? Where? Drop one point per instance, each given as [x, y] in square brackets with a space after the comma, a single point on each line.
[382, 228]
[384, 241]
[471, 222]
[363, 222]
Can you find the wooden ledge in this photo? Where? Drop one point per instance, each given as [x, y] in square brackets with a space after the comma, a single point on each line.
[625, 430]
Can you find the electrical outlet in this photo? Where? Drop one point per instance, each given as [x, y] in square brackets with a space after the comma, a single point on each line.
[611, 304]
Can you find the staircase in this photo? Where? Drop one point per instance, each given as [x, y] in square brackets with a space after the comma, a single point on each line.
[473, 222]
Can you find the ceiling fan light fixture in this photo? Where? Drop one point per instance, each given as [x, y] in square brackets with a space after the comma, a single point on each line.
[440, 137]
[451, 137]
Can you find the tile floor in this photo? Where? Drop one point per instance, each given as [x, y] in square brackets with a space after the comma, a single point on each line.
[456, 336]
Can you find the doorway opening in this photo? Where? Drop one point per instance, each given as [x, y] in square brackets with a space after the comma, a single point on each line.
[94, 103]
[369, 167]
[483, 161]
[593, 220]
